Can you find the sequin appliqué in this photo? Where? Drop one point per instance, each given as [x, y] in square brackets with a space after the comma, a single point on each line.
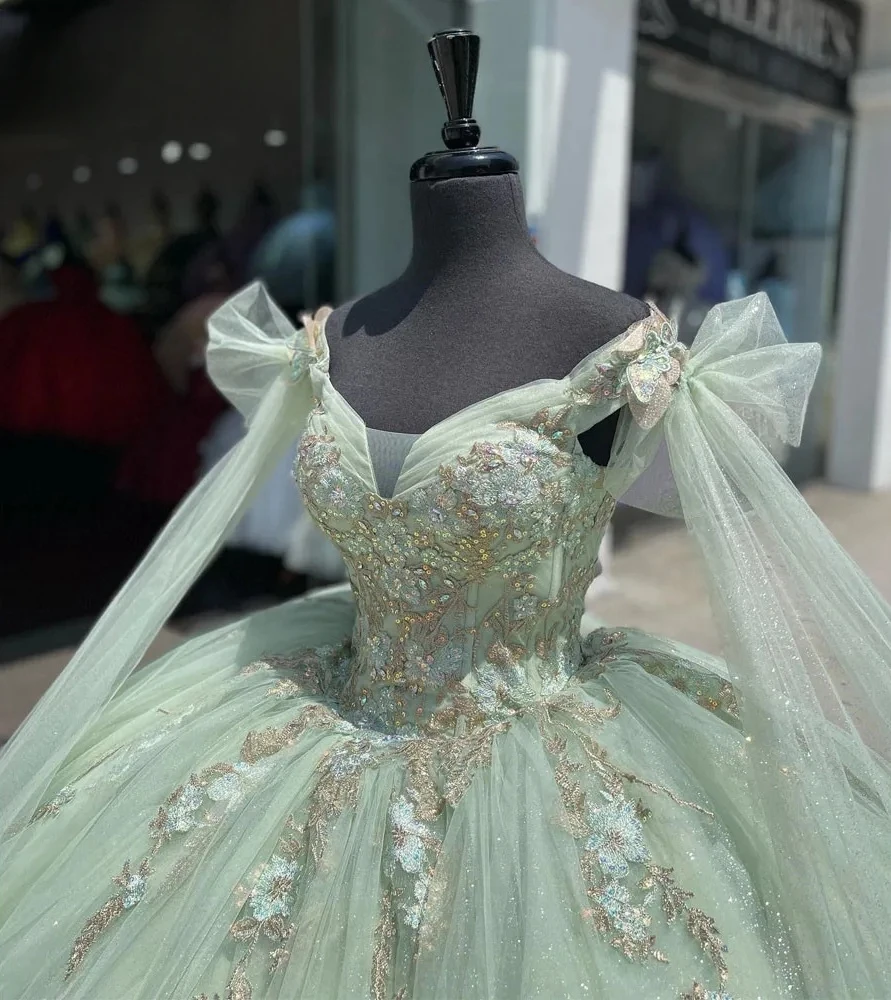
[642, 370]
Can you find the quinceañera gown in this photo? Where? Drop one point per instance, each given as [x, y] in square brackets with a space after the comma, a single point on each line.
[428, 785]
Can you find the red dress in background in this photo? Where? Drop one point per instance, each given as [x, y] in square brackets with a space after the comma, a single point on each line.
[71, 368]
[164, 461]
[78, 386]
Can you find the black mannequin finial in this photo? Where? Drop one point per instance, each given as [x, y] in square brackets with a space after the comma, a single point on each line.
[456, 60]
[456, 56]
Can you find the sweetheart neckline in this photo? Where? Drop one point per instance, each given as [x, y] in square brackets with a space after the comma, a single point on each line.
[434, 429]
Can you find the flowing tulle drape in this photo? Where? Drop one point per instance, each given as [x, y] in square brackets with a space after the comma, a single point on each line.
[807, 640]
[263, 370]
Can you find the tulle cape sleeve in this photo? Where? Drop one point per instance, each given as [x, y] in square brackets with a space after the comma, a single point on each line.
[262, 364]
[806, 636]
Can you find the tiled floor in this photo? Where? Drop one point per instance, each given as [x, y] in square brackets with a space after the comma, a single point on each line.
[656, 585]
[23, 682]
[659, 586]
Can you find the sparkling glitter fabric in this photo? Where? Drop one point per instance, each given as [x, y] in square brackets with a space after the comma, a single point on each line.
[428, 785]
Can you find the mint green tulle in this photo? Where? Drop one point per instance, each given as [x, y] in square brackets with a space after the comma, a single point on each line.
[514, 917]
[428, 784]
[806, 636]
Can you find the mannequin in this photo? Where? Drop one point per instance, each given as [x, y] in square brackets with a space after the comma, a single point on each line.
[478, 310]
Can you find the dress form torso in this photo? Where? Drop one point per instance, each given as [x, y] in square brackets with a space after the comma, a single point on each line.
[477, 311]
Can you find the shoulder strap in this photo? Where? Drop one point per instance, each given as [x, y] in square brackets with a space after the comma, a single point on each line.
[639, 369]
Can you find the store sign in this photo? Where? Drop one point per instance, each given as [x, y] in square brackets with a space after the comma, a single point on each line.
[803, 47]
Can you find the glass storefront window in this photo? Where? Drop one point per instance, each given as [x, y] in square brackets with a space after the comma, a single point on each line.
[124, 132]
[730, 196]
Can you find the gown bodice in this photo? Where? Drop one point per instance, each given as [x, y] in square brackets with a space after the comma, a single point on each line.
[471, 575]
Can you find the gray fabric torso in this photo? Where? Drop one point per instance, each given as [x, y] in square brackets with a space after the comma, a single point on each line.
[388, 451]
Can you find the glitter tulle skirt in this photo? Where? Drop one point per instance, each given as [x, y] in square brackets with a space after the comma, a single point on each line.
[226, 831]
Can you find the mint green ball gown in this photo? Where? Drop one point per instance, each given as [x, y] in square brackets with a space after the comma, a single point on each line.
[428, 784]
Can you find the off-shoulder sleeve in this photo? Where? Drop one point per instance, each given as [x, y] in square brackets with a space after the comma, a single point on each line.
[640, 368]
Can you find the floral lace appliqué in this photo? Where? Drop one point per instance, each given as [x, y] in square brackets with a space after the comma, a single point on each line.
[622, 879]
[604, 647]
[54, 806]
[447, 577]
[308, 345]
[699, 992]
[617, 836]
[643, 369]
[414, 851]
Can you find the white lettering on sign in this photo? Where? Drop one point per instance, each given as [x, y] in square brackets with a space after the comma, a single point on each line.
[810, 29]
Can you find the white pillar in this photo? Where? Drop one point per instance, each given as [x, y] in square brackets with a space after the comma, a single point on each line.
[555, 89]
[860, 442]
[579, 146]
[394, 116]
[580, 139]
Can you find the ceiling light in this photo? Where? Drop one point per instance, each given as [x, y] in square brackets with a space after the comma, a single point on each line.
[199, 151]
[171, 152]
[275, 137]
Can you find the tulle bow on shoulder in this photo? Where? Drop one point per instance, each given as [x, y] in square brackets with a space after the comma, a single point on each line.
[252, 343]
[740, 362]
[741, 356]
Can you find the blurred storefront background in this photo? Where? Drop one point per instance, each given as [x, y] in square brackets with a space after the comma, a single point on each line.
[684, 150]
[691, 151]
[687, 150]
